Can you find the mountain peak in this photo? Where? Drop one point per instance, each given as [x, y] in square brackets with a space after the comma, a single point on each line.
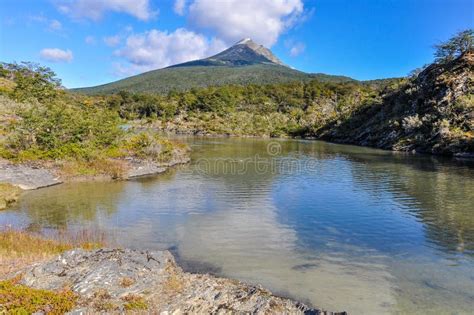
[244, 41]
[244, 52]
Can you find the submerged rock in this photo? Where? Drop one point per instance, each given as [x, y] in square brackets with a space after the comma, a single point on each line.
[114, 280]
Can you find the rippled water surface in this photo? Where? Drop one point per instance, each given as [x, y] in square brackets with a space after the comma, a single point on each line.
[340, 227]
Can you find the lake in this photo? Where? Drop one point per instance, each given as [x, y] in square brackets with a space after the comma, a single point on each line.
[340, 227]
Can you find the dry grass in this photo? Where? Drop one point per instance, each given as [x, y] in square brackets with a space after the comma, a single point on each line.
[126, 282]
[101, 301]
[174, 284]
[115, 168]
[19, 248]
[8, 194]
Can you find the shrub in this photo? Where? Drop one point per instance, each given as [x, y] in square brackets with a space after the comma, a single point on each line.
[20, 299]
[411, 123]
[147, 146]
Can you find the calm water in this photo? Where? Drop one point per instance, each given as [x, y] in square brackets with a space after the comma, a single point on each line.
[340, 227]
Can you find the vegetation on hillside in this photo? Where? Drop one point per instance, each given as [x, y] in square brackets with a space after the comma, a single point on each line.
[460, 44]
[432, 112]
[42, 122]
[185, 78]
[290, 109]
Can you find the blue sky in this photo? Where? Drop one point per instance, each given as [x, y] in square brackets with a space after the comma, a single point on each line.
[90, 42]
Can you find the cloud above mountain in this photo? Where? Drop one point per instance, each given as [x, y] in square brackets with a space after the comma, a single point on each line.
[157, 49]
[95, 9]
[56, 55]
[231, 20]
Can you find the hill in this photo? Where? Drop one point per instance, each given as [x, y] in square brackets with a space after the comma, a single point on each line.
[246, 62]
[433, 113]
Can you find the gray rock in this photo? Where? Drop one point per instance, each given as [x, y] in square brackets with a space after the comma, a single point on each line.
[146, 168]
[106, 277]
[26, 177]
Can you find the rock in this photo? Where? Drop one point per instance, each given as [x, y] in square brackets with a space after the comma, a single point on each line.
[145, 168]
[26, 177]
[108, 279]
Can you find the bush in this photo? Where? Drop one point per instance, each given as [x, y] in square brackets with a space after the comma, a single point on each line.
[148, 146]
[61, 130]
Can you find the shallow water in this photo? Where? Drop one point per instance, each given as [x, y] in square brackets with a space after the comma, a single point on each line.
[340, 227]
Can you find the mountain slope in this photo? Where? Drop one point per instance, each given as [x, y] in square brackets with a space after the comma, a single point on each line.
[433, 113]
[244, 63]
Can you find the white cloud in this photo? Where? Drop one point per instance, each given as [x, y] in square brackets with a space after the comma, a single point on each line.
[56, 55]
[55, 25]
[263, 20]
[95, 9]
[295, 48]
[179, 6]
[112, 41]
[51, 24]
[90, 40]
[157, 49]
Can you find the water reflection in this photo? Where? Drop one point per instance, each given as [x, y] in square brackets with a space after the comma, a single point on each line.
[362, 230]
[59, 206]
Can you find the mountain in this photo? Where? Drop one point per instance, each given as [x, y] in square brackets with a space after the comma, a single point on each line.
[243, 53]
[432, 113]
[246, 62]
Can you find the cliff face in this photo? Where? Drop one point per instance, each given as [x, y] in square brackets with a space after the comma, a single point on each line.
[432, 113]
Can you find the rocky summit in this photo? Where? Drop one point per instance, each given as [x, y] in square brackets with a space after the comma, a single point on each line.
[244, 52]
[115, 280]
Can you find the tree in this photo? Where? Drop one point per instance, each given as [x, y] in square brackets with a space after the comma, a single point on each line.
[461, 43]
[32, 81]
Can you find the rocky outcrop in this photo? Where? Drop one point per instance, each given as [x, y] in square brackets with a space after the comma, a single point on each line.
[432, 113]
[25, 176]
[147, 168]
[114, 280]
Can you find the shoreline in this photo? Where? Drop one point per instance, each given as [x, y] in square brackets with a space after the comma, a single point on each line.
[200, 133]
[16, 178]
[30, 176]
[88, 280]
[155, 279]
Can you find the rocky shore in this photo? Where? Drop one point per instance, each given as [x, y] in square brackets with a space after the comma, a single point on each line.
[17, 177]
[119, 280]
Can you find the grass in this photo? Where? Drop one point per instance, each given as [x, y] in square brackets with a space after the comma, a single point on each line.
[19, 248]
[126, 282]
[117, 169]
[173, 284]
[134, 302]
[8, 195]
[20, 299]
[101, 301]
